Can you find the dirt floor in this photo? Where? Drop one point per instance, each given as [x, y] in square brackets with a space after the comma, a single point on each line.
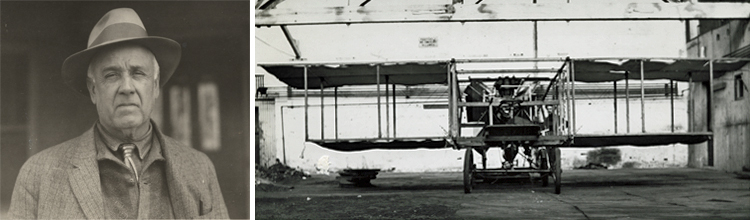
[586, 194]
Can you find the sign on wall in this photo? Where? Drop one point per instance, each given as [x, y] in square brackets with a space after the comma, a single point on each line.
[179, 107]
[208, 114]
[428, 42]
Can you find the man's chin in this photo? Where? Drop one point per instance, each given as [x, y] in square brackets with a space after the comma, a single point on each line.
[129, 123]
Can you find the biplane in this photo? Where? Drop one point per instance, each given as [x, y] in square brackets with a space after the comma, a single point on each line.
[530, 117]
[527, 117]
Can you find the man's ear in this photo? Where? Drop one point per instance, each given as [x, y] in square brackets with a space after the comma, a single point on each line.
[157, 88]
[90, 86]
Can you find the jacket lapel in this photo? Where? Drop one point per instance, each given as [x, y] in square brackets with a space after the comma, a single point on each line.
[178, 165]
[84, 176]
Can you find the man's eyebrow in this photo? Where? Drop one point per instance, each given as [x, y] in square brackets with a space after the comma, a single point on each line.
[111, 68]
[119, 69]
[138, 67]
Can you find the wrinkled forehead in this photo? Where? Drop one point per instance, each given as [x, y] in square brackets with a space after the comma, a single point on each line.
[123, 56]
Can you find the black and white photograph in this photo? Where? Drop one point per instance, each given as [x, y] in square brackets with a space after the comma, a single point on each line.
[125, 110]
[519, 109]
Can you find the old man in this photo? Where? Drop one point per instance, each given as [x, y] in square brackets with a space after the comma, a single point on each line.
[123, 167]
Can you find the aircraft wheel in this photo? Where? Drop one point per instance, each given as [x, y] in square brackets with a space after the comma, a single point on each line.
[557, 173]
[468, 170]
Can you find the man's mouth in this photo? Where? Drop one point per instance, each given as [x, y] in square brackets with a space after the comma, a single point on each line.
[127, 104]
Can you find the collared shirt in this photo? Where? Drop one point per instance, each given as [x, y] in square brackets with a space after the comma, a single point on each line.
[143, 144]
[124, 196]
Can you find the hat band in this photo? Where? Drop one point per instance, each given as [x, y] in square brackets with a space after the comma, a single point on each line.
[118, 31]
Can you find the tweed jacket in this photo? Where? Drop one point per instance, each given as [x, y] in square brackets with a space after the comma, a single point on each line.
[63, 182]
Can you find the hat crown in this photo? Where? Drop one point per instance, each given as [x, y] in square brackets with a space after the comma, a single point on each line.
[117, 24]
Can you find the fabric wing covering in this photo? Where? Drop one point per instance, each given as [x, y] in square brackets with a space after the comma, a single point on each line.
[360, 74]
[581, 140]
[642, 139]
[384, 144]
[416, 73]
[675, 69]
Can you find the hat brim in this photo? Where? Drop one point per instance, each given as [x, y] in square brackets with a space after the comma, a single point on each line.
[166, 51]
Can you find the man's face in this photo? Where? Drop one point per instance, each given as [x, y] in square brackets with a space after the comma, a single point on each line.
[124, 87]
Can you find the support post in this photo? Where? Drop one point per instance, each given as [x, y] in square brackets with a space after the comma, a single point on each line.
[377, 82]
[615, 101]
[627, 102]
[283, 140]
[456, 99]
[711, 95]
[387, 110]
[394, 109]
[556, 118]
[453, 102]
[671, 102]
[307, 134]
[322, 112]
[536, 45]
[691, 111]
[710, 118]
[557, 90]
[449, 78]
[573, 98]
[567, 99]
[643, 109]
[556, 109]
[491, 113]
[336, 112]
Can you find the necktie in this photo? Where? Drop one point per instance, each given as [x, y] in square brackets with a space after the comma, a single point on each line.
[127, 151]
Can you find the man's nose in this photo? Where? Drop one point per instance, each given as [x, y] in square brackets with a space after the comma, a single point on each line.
[126, 86]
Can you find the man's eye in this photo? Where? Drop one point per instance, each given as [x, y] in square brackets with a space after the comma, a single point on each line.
[110, 74]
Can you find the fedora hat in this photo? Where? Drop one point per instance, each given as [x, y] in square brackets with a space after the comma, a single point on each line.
[116, 27]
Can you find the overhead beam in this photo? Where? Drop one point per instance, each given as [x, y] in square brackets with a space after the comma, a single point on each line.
[500, 12]
[485, 60]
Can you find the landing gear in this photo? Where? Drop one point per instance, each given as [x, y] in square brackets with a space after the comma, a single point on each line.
[557, 170]
[544, 160]
[468, 170]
